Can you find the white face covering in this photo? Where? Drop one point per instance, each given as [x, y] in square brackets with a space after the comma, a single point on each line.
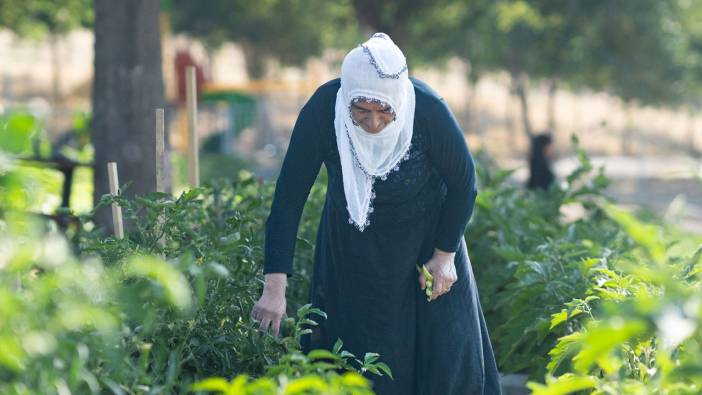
[374, 71]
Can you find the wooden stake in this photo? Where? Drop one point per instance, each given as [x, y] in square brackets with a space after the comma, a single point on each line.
[191, 103]
[160, 160]
[116, 209]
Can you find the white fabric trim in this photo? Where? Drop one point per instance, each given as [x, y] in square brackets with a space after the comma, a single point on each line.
[376, 69]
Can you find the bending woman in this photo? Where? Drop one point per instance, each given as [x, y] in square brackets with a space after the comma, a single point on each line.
[401, 190]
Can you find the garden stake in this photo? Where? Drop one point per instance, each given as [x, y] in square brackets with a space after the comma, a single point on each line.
[160, 147]
[191, 104]
[160, 159]
[116, 209]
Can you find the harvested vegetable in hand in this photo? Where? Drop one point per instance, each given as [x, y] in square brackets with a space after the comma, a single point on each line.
[429, 281]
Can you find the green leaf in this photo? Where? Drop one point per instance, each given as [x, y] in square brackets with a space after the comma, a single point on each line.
[370, 357]
[602, 338]
[566, 384]
[211, 384]
[322, 354]
[644, 235]
[559, 318]
[385, 368]
[565, 349]
[337, 346]
[177, 288]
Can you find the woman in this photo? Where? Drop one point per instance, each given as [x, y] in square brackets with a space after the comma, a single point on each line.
[400, 192]
[540, 174]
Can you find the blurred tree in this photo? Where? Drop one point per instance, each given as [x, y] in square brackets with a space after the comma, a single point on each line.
[621, 47]
[640, 50]
[46, 18]
[288, 31]
[630, 53]
[128, 87]
[688, 52]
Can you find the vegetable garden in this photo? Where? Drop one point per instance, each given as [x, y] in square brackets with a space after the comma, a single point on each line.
[606, 303]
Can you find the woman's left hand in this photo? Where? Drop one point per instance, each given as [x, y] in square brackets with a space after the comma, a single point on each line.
[443, 269]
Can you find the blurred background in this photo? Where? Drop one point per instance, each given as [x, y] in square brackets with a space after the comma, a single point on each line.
[82, 78]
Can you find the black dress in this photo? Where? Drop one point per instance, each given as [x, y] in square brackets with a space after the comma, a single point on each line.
[367, 281]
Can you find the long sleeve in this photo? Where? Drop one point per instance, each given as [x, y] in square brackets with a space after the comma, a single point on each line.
[449, 153]
[300, 168]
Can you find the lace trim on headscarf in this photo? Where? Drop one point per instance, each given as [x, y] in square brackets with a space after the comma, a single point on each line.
[366, 99]
[372, 179]
[373, 62]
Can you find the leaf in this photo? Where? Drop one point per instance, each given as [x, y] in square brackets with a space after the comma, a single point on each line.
[566, 347]
[307, 384]
[218, 269]
[353, 379]
[370, 357]
[322, 354]
[559, 318]
[307, 321]
[177, 288]
[346, 354]
[373, 370]
[602, 338]
[385, 368]
[565, 384]
[211, 384]
[303, 311]
[337, 346]
[644, 235]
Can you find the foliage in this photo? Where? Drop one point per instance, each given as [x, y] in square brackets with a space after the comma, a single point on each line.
[38, 18]
[22, 133]
[218, 227]
[156, 311]
[87, 327]
[68, 325]
[530, 262]
[37, 188]
[645, 337]
[346, 384]
[289, 31]
[604, 302]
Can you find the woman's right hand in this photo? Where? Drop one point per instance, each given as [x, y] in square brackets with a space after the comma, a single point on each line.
[270, 308]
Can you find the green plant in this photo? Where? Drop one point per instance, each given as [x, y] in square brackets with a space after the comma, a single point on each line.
[645, 337]
[529, 260]
[346, 384]
[68, 324]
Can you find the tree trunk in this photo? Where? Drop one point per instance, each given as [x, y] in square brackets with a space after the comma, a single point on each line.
[54, 39]
[551, 105]
[254, 60]
[128, 87]
[470, 125]
[520, 89]
[691, 131]
[511, 135]
[627, 140]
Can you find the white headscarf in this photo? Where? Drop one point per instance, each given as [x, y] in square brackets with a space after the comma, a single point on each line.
[377, 71]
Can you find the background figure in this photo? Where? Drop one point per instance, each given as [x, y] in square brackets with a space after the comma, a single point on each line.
[540, 173]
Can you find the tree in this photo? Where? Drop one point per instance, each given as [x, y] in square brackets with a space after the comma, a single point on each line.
[46, 18]
[128, 87]
[288, 31]
[621, 47]
[687, 47]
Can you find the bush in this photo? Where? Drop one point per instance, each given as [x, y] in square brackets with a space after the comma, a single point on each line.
[154, 312]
